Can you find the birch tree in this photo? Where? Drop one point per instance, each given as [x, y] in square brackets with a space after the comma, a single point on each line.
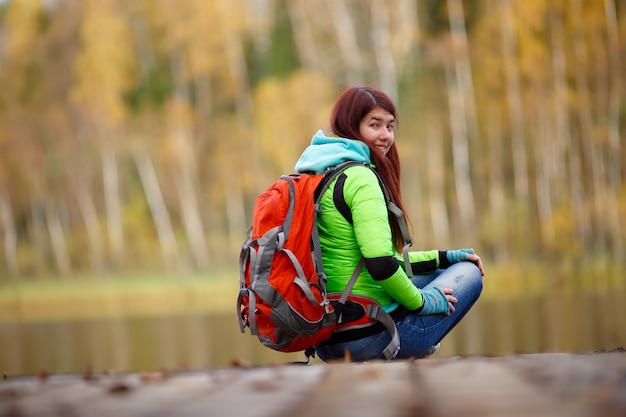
[231, 175]
[19, 53]
[9, 233]
[90, 218]
[460, 94]
[57, 238]
[514, 100]
[158, 208]
[545, 159]
[496, 185]
[345, 33]
[562, 134]
[591, 150]
[532, 64]
[436, 172]
[102, 68]
[462, 64]
[615, 147]
[382, 48]
[303, 33]
[180, 45]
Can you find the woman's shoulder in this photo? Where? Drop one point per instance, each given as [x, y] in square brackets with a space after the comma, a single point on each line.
[361, 173]
[360, 170]
[361, 177]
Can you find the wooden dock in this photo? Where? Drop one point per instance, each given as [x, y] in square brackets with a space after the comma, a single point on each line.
[550, 385]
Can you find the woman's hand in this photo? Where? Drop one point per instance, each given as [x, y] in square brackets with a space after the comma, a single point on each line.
[451, 299]
[460, 255]
[479, 263]
[437, 301]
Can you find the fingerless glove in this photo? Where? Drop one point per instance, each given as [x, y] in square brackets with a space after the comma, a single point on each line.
[435, 302]
[459, 255]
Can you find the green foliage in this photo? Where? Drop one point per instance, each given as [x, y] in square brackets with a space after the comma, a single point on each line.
[282, 57]
[152, 91]
[437, 22]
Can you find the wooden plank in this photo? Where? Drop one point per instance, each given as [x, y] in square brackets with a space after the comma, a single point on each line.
[523, 385]
[488, 388]
[39, 398]
[263, 392]
[368, 389]
[595, 382]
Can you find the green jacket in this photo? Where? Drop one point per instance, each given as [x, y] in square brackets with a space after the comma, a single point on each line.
[369, 235]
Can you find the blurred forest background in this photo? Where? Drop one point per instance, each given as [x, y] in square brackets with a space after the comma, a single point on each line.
[135, 135]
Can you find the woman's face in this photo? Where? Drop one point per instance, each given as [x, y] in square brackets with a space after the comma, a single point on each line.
[376, 129]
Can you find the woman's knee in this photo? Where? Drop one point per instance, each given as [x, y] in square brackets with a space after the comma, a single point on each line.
[470, 274]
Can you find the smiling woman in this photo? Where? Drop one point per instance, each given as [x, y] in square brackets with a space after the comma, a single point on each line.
[363, 234]
[377, 129]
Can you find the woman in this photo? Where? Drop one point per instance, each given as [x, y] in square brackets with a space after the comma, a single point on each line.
[445, 284]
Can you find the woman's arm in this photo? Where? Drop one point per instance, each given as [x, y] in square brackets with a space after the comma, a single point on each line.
[370, 217]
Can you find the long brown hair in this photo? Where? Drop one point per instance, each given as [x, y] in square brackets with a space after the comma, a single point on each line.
[349, 109]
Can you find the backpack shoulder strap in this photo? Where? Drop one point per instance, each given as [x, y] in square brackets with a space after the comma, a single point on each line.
[342, 207]
[329, 175]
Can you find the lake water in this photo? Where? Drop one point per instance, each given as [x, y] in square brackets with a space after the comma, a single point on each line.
[574, 323]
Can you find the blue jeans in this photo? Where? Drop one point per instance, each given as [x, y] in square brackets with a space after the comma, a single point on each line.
[417, 333]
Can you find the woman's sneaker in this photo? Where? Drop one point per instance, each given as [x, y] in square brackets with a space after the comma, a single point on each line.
[431, 351]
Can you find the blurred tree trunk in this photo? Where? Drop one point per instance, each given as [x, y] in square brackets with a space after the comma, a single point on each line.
[187, 179]
[302, 32]
[89, 215]
[545, 161]
[463, 65]
[407, 31]
[261, 15]
[615, 91]
[244, 138]
[209, 215]
[590, 144]
[562, 134]
[188, 198]
[462, 119]
[113, 204]
[346, 34]
[10, 233]
[237, 68]
[547, 153]
[496, 184]
[464, 123]
[514, 101]
[382, 48]
[158, 208]
[57, 239]
[614, 161]
[103, 68]
[234, 203]
[436, 172]
[460, 157]
[39, 233]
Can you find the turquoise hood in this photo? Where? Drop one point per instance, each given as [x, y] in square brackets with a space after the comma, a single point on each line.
[327, 151]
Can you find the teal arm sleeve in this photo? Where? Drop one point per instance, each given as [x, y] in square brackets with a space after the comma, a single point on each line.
[435, 302]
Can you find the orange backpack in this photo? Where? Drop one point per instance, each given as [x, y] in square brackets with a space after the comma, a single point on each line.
[282, 285]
